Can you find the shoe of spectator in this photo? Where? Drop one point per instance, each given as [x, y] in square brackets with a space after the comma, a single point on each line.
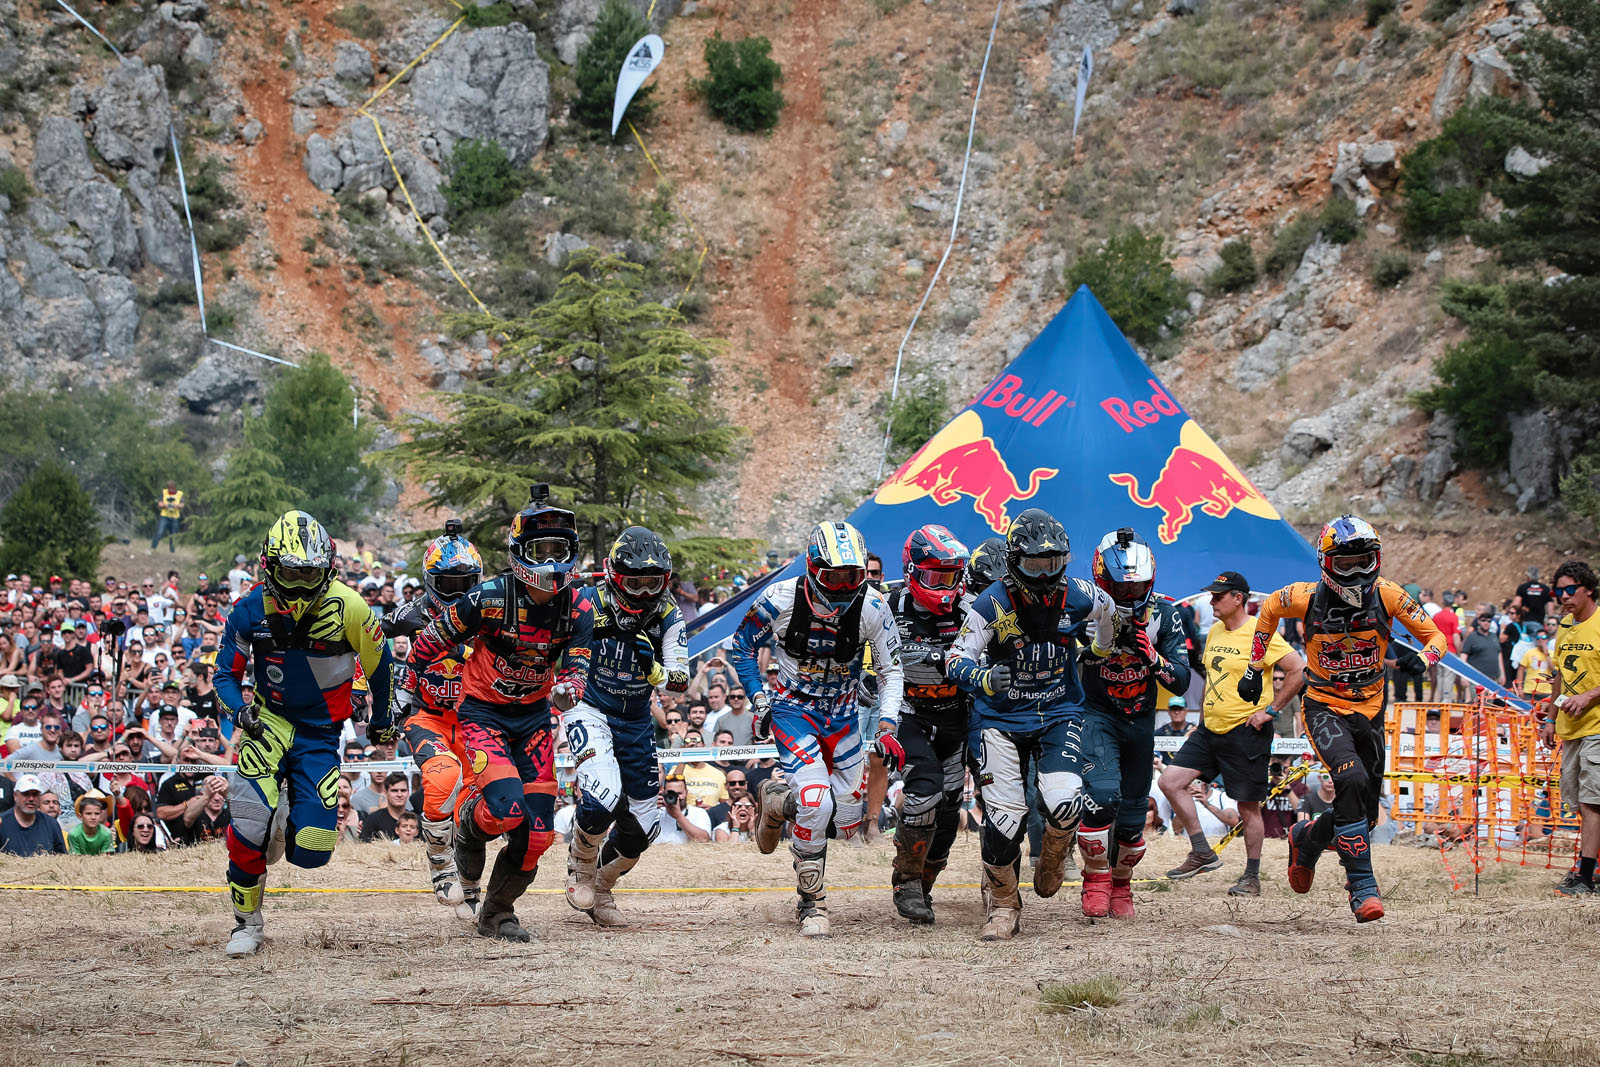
[1121, 899]
[1248, 885]
[774, 807]
[1002, 902]
[1196, 863]
[582, 860]
[1054, 853]
[1573, 886]
[1095, 898]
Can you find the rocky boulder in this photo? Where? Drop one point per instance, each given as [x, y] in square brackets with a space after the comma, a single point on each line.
[323, 165]
[221, 381]
[131, 115]
[102, 215]
[60, 156]
[1491, 75]
[1307, 438]
[488, 84]
[571, 27]
[1452, 89]
[352, 63]
[1439, 463]
[162, 235]
[1521, 163]
[558, 246]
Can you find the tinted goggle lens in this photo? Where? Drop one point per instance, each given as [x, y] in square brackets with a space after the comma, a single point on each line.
[1129, 590]
[300, 577]
[1042, 566]
[454, 584]
[1359, 563]
[642, 584]
[840, 579]
[938, 577]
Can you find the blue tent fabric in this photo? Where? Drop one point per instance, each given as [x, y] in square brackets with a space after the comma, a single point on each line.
[1080, 426]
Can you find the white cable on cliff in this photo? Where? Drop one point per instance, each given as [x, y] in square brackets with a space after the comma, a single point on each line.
[961, 191]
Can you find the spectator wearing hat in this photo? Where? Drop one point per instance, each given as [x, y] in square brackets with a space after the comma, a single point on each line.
[24, 831]
[10, 698]
[91, 837]
[1177, 724]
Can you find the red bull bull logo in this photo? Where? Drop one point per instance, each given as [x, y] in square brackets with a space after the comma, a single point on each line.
[1197, 476]
[962, 461]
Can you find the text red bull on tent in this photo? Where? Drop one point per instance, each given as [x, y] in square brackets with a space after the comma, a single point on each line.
[1078, 425]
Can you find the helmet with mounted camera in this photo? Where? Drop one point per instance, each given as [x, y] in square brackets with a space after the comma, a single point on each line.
[450, 566]
[1125, 568]
[543, 544]
[935, 566]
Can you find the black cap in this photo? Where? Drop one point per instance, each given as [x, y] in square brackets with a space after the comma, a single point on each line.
[1229, 582]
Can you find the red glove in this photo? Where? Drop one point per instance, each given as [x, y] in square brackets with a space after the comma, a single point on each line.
[887, 748]
[1143, 648]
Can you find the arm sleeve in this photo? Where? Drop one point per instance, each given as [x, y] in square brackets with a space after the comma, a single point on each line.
[1410, 615]
[674, 642]
[1285, 603]
[231, 661]
[364, 631]
[962, 667]
[1174, 648]
[575, 658]
[752, 631]
[884, 637]
[1102, 619]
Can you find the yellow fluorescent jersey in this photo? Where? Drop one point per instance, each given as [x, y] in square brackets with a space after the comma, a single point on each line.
[1227, 655]
[1577, 657]
[1536, 683]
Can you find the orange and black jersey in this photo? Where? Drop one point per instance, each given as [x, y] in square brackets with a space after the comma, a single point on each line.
[1346, 645]
[435, 688]
[515, 644]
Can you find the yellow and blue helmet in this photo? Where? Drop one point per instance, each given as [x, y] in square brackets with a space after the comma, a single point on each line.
[297, 560]
[450, 566]
[836, 565]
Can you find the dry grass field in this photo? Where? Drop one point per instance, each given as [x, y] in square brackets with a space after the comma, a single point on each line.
[1446, 980]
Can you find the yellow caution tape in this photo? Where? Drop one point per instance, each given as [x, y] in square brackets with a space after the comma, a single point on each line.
[25, 887]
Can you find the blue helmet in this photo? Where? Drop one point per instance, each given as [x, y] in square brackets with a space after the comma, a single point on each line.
[1126, 569]
[450, 566]
[543, 544]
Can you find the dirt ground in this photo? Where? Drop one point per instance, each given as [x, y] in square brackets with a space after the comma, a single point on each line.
[111, 978]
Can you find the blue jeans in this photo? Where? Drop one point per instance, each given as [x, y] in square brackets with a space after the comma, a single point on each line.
[165, 527]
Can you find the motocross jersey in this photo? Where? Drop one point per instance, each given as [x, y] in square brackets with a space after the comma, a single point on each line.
[626, 664]
[1345, 646]
[819, 659]
[1040, 646]
[515, 643]
[436, 687]
[1126, 685]
[304, 668]
[925, 641]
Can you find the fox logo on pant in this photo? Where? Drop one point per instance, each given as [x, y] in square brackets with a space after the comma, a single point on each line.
[1352, 845]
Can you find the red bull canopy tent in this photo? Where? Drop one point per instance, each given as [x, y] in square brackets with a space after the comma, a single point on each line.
[1080, 426]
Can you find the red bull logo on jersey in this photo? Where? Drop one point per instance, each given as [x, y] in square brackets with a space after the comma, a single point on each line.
[1197, 476]
[962, 461]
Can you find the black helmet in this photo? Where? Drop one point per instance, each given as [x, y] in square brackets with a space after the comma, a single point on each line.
[638, 571]
[1037, 553]
[987, 565]
[543, 544]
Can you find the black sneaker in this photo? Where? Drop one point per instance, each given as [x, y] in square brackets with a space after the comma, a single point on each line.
[1573, 886]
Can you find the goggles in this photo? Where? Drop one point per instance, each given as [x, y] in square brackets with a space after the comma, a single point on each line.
[1359, 563]
[841, 579]
[1042, 566]
[1126, 591]
[642, 584]
[547, 550]
[938, 577]
[453, 585]
[299, 577]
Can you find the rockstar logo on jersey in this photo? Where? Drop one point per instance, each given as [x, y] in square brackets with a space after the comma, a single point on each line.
[1005, 625]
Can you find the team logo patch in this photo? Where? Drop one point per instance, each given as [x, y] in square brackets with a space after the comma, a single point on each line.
[480, 760]
[274, 674]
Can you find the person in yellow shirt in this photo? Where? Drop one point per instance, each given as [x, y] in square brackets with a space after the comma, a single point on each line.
[1349, 616]
[171, 510]
[1533, 670]
[1235, 735]
[1577, 714]
[707, 786]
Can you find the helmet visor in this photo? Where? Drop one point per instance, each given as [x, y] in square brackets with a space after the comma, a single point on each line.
[1042, 566]
[299, 577]
[1354, 564]
[642, 585]
[547, 550]
[938, 577]
[841, 579]
[453, 585]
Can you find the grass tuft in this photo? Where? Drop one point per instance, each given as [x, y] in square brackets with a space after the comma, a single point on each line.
[1061, 997]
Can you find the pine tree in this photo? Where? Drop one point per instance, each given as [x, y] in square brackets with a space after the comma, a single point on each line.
[603, 396]
[307, 424]
[1535, 340]
[252, 495]
[599, 63]
[49, 526]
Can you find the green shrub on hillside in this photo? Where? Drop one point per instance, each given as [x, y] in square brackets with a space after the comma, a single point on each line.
[917, 414]
[1390, 269]
[495, 14]
[599, 61]
[1338, 223]
[1238, 270]
[1376, 9]
[15, 188]
[1444, 178]
[741, 82]
[359, 20]
[1132, 278]
[49, 525]
[481, 177]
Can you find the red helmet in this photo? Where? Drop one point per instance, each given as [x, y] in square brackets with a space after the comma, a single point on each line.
[935, 565]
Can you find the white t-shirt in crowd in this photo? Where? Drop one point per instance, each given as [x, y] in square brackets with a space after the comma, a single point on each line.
[238, 581]
[672, 834]
[160, 608]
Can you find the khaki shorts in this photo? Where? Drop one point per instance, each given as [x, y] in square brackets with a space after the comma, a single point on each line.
[1580, 771]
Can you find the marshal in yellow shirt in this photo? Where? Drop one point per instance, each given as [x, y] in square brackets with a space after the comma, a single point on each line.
[1577, 657]
[1227, 655]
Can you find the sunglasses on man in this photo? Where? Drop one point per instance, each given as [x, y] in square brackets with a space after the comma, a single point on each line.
[1564, 591]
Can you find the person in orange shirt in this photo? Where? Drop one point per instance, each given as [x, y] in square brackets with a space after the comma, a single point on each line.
[1349, 615]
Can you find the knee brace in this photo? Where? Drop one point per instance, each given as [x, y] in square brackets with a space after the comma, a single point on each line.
[813, 812]
[1065, 802]
[593, 819]
[310, 846]
[1000, 849]
[441, 786]
[946, 825]
[502, 807]
[919, 810]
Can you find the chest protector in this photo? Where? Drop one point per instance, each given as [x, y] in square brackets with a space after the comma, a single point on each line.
[1329, 617]
[294, 635]
[1040, 624]
[925, 681]
[801, 639]
[507, 641]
